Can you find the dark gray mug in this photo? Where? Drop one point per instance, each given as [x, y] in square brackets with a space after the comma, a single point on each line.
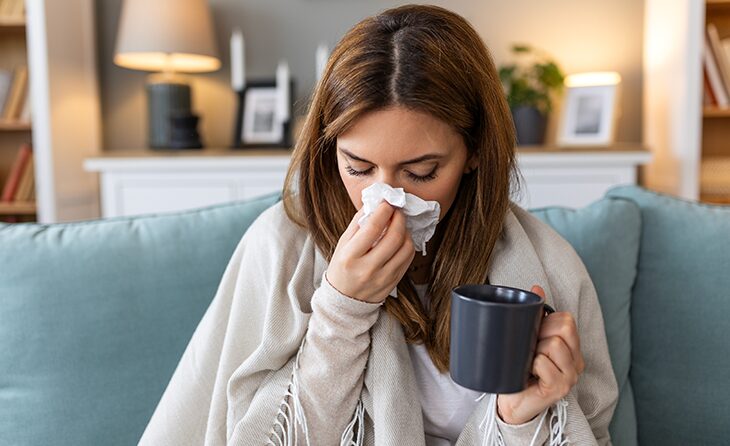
[494, 333]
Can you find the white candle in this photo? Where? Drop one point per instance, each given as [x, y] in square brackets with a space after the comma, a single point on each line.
[238, 61]
[282, 89]
[321, 60]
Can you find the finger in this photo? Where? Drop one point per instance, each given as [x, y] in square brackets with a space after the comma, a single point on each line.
[537, 289]
[353, 227]
[559, 352]
[561, 323]
[402, 259]
[546, 371]
[391, 242]
[364, 238]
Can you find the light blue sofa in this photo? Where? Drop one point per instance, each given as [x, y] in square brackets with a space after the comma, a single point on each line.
[95, 315]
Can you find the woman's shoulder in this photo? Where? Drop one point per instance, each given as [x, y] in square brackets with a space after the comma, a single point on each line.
[274, 228]
[276, 250]
[278, 238]
[541, 234]
[562, 264]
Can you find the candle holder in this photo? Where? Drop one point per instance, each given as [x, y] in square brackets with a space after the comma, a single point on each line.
[256, 124]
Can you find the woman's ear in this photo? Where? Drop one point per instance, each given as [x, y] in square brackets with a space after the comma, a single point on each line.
[471, 164]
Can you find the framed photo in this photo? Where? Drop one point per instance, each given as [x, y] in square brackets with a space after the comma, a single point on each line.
[256, 124]
[588, 116]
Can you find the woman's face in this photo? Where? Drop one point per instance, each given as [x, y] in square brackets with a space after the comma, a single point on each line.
[403, 148]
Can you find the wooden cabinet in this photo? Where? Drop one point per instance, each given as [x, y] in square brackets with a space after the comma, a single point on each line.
[144, 182]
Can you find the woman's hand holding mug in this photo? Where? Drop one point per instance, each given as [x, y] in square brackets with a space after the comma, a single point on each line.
[557, 365]
[366, 272]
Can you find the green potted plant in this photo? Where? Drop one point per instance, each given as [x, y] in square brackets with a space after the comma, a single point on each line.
[529, 81]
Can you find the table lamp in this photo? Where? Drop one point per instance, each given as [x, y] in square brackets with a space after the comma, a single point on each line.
[168, 37]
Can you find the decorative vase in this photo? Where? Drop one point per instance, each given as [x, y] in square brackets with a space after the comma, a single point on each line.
[530, 124]
[184, 131]
[165, 97]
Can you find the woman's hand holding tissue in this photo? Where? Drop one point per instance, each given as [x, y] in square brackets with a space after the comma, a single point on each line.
[369, 261]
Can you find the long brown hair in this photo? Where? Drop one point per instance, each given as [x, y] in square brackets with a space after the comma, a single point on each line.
[429, 59]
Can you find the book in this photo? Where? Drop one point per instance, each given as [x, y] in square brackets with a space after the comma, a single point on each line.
[13, 105]
[11, 183]
[6, 81]
[708, 98]
[725, 46]
[723, 64]
[25, 113]
[26, 181]
[713, 74]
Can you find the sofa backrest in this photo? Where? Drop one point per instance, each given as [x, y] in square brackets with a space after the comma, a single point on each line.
[606, 235]
[134, 288]
[680, 321]
[94, 317]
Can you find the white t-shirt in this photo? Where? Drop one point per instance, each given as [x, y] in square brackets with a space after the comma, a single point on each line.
[446, 405]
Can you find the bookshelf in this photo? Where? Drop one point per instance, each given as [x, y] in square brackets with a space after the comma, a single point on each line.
[57, 42]
[14, 126]
[716, 112]
[715, 133]
[17, 208]
[686, 133]
[14, 132]
[12, 25]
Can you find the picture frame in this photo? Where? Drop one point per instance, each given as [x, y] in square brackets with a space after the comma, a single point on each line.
[256, 125]
[588, 116]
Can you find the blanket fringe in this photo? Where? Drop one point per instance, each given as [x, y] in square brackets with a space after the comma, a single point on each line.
[557, 430]
[287, 425]
[354, 434]
[357, 422]
[493, 437]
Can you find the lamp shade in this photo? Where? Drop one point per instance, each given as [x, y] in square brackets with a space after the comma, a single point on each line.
[166, 35]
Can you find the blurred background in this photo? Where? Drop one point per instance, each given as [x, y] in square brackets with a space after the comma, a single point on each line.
[96, 117]
[582, 35]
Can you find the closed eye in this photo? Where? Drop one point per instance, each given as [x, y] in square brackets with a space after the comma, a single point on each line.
[417, 178]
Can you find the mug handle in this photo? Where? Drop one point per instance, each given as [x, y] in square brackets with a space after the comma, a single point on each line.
[548, 309]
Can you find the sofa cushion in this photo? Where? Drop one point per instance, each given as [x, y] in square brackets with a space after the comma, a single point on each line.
[605, 235]
[94, 317]
[680, 366]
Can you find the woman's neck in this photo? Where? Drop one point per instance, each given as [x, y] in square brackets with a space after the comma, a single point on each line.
[420, 268]
[419, 271]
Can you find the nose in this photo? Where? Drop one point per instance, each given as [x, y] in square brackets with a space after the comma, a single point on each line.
[387, 178]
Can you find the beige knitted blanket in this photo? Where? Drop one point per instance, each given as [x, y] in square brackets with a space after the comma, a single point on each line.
[240, 381]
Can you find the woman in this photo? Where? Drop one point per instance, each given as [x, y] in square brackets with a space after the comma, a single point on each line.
[303, 345]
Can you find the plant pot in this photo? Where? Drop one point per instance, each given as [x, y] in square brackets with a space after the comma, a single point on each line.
[530, 124]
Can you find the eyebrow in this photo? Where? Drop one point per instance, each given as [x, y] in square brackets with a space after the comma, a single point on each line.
[425, 157]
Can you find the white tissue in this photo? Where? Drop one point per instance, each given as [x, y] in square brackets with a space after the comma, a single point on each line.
[421, 215]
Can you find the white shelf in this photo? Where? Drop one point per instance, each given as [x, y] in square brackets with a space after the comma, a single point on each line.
[134, 183]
